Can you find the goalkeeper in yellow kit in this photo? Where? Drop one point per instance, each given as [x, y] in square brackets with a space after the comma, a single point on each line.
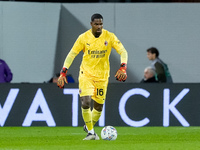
[96, 44]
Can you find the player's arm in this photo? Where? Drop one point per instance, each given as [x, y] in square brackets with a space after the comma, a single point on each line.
[62, 78]
[63, 73]
[121, 74]
[78, 46]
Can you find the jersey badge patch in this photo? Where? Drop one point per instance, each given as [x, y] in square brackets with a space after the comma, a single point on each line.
[106, 43]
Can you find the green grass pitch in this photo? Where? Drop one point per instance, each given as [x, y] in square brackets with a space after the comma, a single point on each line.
[70, 138]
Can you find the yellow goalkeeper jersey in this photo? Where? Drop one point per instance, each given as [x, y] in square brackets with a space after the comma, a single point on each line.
[95, 62]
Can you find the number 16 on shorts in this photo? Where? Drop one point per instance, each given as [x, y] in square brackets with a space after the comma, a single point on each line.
[100, 92]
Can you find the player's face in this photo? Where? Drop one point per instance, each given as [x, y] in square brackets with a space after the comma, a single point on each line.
[97, 26]
[151, 56]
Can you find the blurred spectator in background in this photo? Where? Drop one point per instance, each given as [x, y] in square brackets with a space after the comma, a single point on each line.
[54, 79]
[162, 72]
[5, 72]
[149, 76]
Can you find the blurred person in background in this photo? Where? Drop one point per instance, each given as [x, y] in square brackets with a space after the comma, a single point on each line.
[5, 72]
[162, 71]
[149, 76]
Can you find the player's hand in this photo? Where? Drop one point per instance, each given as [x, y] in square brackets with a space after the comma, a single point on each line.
[62, 79]
[121, 73]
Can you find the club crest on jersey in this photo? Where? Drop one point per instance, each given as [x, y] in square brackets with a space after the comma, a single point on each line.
[106, 43]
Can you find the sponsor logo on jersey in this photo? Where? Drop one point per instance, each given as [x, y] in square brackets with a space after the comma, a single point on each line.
[97, 53]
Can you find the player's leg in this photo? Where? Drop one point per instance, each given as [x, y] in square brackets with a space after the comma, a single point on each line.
[96, 112]
[86, 90]
[87, 117]
[86, 112]
[99, 99]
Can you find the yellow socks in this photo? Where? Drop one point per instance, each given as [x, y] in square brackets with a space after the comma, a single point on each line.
[87, 117]
[90, 118]
[95, 116]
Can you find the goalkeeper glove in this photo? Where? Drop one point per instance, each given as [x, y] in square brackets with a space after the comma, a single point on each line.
[62, 79]
[121, 73]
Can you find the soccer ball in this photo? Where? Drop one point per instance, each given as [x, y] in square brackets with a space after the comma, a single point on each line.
[109, 133]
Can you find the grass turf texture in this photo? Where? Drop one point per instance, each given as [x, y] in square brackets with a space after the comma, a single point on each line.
[70, 138]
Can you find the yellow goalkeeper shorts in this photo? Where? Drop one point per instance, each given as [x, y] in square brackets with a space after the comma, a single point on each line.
[94, 88]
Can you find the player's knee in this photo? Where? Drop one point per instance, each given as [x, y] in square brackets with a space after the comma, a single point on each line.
[85, 105]
[98, 107]
[85, 102]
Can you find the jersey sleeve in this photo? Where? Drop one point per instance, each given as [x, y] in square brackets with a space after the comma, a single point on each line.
[77, 47]
[118, 46]
[69, 59]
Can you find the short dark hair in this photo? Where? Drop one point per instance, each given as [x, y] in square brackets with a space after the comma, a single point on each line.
[96, 16]
[153, 50]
